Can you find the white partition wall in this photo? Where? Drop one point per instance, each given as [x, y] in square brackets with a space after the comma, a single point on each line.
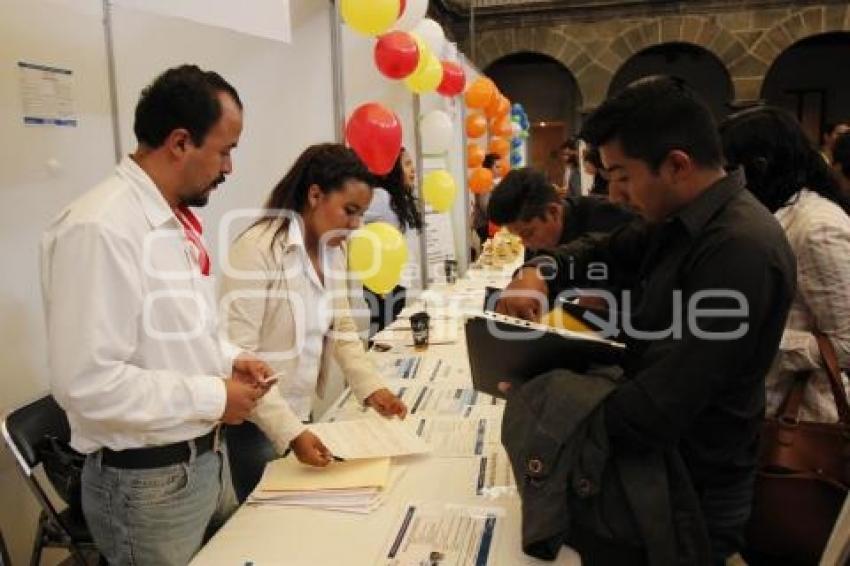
[286, 89]
[41, 167]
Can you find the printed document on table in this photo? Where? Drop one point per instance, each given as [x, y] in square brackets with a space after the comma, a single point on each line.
[457, 437]
[435, 534]
[495, 475]
[422, 400]
[369, 438]
[429, 369]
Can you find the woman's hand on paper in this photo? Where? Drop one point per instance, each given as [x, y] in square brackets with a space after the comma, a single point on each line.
[387, 404]
[309, 449]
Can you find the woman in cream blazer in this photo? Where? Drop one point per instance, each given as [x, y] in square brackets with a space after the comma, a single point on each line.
[285, 295]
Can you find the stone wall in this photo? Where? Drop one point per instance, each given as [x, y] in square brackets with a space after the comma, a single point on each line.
[746, 41]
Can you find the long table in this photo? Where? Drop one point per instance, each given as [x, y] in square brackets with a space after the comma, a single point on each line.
[261, 534]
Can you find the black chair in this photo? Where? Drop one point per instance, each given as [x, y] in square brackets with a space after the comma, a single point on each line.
[248, 451]
[25, 430]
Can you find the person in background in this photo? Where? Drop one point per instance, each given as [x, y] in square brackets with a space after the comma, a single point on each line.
[528, 205]
[693, 382]
[831, 131]
[480, 221]
[841, 162]
[286, 298]
[394, 202]
[786, 174]
[592, 164]
[567, 175]
[133, 347]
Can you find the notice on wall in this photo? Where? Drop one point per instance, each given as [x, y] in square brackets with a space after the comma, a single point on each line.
[47, 95]
[440, 244]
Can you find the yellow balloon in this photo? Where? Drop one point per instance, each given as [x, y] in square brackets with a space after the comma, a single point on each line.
[370, 17]
[427, 79]
[439, 190]
[376, 255]
[424, 53]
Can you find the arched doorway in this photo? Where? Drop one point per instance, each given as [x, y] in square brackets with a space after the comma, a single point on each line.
[810, 79]
[694, 65]
[550, 95]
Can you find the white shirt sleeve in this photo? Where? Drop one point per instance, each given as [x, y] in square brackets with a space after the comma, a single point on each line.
[94, 301]
[823, 267]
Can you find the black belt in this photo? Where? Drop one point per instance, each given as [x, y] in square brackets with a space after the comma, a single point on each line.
[158, 456]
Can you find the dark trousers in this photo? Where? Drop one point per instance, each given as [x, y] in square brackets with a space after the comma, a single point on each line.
[249, 450]
[384, 310]
[727, 511]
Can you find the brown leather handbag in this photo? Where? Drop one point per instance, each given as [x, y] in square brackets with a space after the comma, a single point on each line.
[803, 476]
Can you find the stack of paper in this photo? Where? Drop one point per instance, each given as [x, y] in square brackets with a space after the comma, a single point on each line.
[356, 486]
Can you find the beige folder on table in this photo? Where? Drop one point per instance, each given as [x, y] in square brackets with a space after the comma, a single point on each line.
[288, 474]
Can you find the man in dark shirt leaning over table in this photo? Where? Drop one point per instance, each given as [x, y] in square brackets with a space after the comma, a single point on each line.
[528, 205]
[707, 281]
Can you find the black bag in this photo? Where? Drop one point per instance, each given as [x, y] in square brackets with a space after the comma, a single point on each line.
[64, 468]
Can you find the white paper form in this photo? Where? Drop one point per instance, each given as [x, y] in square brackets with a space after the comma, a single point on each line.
[453, 437]
[369, 438]
[458, 437]
[437, 399]
[406, 367]
[428, 399]
[495, 475]
[433, 534]
[431, 369]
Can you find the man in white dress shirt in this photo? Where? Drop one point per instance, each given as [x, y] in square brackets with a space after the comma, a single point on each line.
[135, 358]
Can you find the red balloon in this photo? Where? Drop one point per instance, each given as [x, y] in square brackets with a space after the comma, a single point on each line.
[401, 6]
[374, 133]
[453, 81]
[396, 54]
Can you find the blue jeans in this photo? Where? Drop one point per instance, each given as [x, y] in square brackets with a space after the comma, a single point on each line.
[156, 516]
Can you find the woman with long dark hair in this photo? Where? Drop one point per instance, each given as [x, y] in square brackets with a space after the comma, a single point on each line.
[394, 202]
[787, 174]
[592, 165]
[285, 293]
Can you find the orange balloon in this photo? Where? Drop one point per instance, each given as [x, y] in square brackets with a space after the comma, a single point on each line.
[474, 155]
[501, 126]
[481, 181]
[504, 106]
[480, 93]
[499, 145]
[492, 108]
[476, 125]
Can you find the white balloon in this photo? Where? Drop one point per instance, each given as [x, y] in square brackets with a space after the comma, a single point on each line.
[432, 34]
[414, 11]
[436, 129]
[515, 129]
